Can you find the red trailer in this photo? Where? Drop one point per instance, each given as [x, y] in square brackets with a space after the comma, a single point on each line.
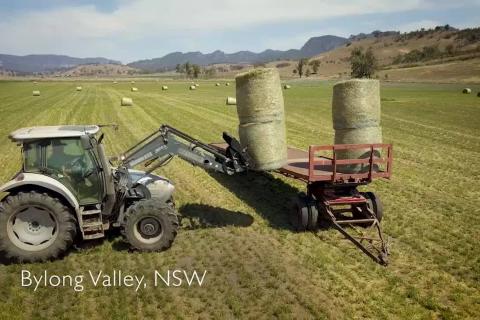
[332, 197]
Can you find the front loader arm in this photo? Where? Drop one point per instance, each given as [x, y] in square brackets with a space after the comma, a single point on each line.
[167, 142]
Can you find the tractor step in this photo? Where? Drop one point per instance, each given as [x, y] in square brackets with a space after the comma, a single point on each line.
[91, 223]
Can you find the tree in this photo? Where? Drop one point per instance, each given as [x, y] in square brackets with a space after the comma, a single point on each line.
[188, 68]
[307, 73]
[195, 70]
[315, 64]
[363, 64]
[301, 64]
[294, 71]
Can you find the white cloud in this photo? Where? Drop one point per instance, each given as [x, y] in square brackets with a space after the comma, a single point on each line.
[81, 30]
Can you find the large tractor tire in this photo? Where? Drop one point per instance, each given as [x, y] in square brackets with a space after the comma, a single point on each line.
[150, 225]
[35, 227]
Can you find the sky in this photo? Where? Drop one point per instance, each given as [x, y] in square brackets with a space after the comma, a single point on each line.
[129, 30]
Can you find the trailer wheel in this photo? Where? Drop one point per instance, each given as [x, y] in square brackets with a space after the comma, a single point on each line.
[304, 215]
[150, 225]
[35, 227]
[375, 204]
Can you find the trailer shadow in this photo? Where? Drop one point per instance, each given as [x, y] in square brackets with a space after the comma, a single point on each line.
[269, 196]
[200, 216]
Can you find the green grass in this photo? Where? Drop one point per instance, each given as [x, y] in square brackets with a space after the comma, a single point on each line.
[236, 227]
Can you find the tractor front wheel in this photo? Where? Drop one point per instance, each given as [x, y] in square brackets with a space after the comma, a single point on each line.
[150, 225]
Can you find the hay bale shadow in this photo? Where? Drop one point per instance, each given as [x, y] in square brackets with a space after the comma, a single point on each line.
[270, 196]
[200, 216]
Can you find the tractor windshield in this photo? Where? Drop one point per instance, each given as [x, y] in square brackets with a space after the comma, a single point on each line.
[68, 162]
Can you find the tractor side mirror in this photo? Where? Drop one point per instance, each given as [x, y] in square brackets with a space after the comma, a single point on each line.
[86, 143]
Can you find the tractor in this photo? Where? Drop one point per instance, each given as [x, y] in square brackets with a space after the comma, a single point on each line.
[67, 187]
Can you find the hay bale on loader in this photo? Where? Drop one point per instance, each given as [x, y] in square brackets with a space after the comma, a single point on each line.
[356, 119]
[467, 91]
[134, 89]
[35, 93]
[260, 110]
[126, 102]
[164, 88]
[231, 101]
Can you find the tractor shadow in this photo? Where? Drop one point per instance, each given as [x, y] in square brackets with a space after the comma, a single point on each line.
[200, 216]
[269, 196]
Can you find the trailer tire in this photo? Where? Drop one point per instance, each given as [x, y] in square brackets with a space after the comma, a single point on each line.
[299, 215]
[374, 203]
[150, 225]
[35, 227]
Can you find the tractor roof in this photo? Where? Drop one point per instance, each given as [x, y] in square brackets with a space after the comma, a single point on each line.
[53, 132]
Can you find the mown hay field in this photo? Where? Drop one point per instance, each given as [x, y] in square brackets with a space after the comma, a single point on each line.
[236, 227]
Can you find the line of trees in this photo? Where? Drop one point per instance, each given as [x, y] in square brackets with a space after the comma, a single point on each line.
[307, 67]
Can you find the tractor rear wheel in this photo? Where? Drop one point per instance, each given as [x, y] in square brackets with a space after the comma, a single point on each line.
[35, 227]
[150, 225]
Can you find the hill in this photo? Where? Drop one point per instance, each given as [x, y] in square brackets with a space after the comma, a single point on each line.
[39, 63]
[312, 47]
[98, 70]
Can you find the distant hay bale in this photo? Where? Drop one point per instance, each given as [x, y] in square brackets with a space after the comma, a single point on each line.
[478, 94]
[115, 82]
[134, 89]
[35, 82]
[79, 88]
[164, 88]
[197, 85]
[36, 93]
[467, 91]
[192, 87]
[132, 82]
[227, 84]
[217, 84]
[126, 101]
[287, 86]
[356, 104]
[231, 101]
[260, 110]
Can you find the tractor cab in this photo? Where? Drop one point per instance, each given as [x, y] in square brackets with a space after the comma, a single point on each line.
[68, 154]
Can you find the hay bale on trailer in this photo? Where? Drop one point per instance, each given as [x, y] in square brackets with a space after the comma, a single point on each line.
[192, 87]
[467, 91]
[231, 101]
[36, 93]
[126, 101]
[356, 119]
[260, 110]
[287, 86]
[79, 88]
[134, 89]
[164, 88]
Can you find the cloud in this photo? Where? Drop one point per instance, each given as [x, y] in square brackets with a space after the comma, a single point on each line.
[82, 29]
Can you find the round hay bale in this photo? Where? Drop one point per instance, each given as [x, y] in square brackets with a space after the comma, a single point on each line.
[357, 136]
[193, 87]
[227, 84]
[164, 88]
[132, 82]
[467, 91]
[478, 94]
[231, 101]
[134, 89]
[260, 110]
[217, 84]
[35, 82]
[115, 82]
[79, 88]
[36, 93]
[356, 104]
[126, 101]
[197, 85]
[287, 86]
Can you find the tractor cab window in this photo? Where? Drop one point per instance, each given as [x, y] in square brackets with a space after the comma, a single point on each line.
[67, 161]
